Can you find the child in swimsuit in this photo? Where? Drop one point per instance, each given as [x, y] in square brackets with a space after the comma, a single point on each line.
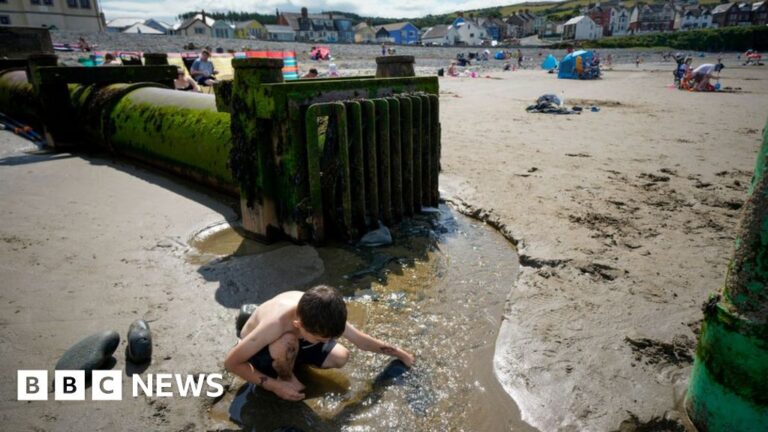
[295, 328]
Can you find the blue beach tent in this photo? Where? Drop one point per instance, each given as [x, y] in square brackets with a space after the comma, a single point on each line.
[568, 64]
[549, 63]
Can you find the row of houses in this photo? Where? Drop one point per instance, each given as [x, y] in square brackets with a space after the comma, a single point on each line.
[614, 19]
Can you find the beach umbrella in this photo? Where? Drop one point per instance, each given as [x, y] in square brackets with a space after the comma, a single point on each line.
[549, 63]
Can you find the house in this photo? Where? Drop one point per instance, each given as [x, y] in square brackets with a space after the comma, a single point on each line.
[250, 30]
[117, 25]
[223, 29]
[760, 13]
[198, 25]
[520, 24]
[158, 25]
[495, 28]
[80, 15]
[401, 33]
[652, 18]
[281, 33]
[601, 15]
[581, 28]
[364, 33]
[745, 14]
[344, 28]
[315, 27]
[440, 35]
[619, 23]
[468, 31]
[693, 17]
[726, 15]
[140, 28]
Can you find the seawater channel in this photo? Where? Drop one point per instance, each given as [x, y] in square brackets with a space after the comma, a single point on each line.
[439, 291]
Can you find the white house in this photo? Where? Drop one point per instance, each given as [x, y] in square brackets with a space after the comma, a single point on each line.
[441, 34]
[619, 24]
[468, 32]
[140, 28]
[280, 33]
[694, 17]
[117, 25]
[582, 28]
[198, 25]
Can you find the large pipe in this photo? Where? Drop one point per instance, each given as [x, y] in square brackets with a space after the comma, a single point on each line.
[728, 390]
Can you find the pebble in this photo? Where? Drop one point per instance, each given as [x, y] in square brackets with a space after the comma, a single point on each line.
[377, 237]
[90, 353]
[139, 342]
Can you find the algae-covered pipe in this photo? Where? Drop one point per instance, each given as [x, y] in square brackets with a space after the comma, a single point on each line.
[728, 390]
[17, 96]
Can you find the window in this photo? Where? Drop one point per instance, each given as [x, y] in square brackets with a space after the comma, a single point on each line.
[35, 2]
[48, 2]
[72, 3]
[85, 4]
[5, 20]
[199, 30]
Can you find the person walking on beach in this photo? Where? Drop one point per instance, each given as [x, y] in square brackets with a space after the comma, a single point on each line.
[295, 328]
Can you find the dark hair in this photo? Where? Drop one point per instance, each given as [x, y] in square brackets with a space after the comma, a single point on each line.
[313, 70]
[322, 312]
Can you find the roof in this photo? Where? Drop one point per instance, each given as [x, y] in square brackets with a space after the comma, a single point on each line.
[162, 24]
[246, 24]
[123, 22]
[396, 26]
[438, 31]
[274, 28]
[199, 17]
[756, 5]
[142, 29]
[221, 23]
[575, 20]
[722, 8]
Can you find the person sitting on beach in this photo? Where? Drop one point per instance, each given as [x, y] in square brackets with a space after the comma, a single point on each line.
[82, 45]
[202, 69]
[184, 83]
[311, 74]
[109, 60]
[702, 75]
[452, 70]
[295, 328]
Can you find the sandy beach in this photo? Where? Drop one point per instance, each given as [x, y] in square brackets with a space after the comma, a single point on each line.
[623, 217]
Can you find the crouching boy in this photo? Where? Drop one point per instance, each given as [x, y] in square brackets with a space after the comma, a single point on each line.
[295, 328]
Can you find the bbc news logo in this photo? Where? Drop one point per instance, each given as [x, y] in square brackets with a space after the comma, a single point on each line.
[106, 385]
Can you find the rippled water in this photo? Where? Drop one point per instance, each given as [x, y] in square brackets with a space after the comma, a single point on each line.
[439, 292]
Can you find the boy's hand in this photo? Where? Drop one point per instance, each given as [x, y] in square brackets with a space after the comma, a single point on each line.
[285, 389]
[407, 358]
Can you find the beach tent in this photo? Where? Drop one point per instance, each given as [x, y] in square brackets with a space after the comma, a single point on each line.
[571, 62]
[549, 63]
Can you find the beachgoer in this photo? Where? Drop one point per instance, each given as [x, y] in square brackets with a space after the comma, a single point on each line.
[609, 60]
[637, 61]
[703, 73]
[519, 59]
[109, 60]
[383, 49]
[452, 70]
[295, 328]
[202, 70]
[82, 45]
[333, 70]
[184, 83]
[311, 74]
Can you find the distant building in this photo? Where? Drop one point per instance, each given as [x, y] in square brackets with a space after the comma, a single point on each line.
[318, 27]
[402, 33]
[601, 15]
[441, 35]
[118, 25]
[495, 28]
[520, 24]
[364, 33]
[83, 15]
[760, 13]
[581, 28]
[223, 29]
[281, 33]
[693, 17]
[468, 31]
[251, 30]
[140, 28]
[652, 18]
[198, 25]
[344, 28]
[725, 15]
[619, 24]
[158, 25]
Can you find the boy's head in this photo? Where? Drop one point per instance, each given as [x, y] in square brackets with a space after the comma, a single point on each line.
[322, 312]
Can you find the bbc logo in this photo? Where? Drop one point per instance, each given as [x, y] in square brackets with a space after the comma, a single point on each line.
[69, 385]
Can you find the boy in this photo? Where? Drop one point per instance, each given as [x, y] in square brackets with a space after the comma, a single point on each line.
[296, 328]
[202, 70]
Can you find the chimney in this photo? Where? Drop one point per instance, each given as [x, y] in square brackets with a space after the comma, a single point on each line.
[204, 21]
[304, 12]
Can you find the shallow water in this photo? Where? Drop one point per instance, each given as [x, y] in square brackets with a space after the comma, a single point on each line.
[438, 292]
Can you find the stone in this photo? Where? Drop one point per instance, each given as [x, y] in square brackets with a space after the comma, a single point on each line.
[246, 311]
[91, 353]
[377, 237]
[139, 342]
[394, 370]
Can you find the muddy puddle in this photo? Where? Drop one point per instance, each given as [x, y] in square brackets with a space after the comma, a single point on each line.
[439, 292]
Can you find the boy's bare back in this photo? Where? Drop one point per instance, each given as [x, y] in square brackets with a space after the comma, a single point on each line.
[279, 309]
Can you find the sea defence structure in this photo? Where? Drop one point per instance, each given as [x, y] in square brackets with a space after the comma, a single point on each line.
[310, 160]
[728, 390]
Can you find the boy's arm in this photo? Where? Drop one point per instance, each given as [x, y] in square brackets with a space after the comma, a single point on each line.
[237, 360]
[368, 343]
[194, 70]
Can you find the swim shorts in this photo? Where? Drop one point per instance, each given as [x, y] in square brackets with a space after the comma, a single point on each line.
[309, 354]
